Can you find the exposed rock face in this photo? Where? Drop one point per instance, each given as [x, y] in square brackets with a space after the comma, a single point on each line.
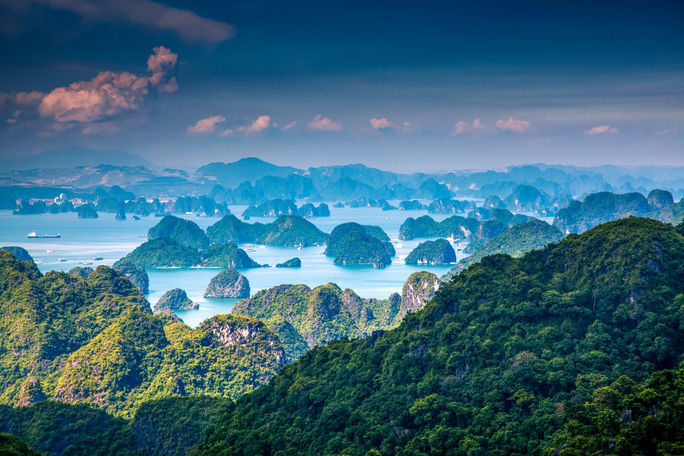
[228, 284]
[136, 274]
[291, 263]
[19, 253]
[271, 208]
[30, 392]
[658, 199]
[81, 272]
[237, 332]
[418, 290]
[493, 202]
[449, 206]
[175, 299]
[432, 252]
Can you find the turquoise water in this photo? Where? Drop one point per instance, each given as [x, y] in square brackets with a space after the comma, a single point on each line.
[84, 239]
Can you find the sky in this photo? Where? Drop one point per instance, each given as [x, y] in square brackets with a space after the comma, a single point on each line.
[402, 86]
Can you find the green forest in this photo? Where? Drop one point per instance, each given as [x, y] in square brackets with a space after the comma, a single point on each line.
[572, 349]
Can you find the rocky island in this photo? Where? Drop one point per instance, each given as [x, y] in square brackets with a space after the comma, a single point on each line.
[271, 208]
[285, 231]
[355, 244]
[175, 299]
[87, 211]
[226, 256]
[180, 230]
[432, 252]
[291, 263]
[163, 253]
[228, 284]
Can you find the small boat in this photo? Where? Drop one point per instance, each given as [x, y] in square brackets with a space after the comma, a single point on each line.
[97, 259]
[49, 251]
[62, 260]
[135, 217]
[34, 235]
[86, 263]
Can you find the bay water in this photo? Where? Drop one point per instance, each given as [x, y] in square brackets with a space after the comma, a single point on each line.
[83, 240]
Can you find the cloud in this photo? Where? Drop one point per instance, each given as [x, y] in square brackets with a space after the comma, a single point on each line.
[146, 13]
[514, 125]
[108, 93]
[289, 126]
[258, 125]
[381, 123]
[29, 98]
[207, 125]
[324, 124]
[600, 130]
[462, 127]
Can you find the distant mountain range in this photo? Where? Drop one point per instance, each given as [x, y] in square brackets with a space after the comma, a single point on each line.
[246, 169]
[72, 157]
[540, 188]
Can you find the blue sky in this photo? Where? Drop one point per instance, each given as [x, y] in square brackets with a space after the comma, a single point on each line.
[397, 85]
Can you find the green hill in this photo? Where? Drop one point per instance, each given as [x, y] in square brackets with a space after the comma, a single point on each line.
[96, 341]
[285, 231]
[497, 363]
[351, 244]
[180, 230]
[162, 253]
[515, 241]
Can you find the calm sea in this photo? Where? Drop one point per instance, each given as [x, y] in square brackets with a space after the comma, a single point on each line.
[83, 240]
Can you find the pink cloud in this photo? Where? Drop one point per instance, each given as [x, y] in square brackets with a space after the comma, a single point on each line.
[324, 124]
[514, 125]
[380, 123]
[462, 127]
[207, 125]
[258, 125]
[289, 126]
[29, 98]
[600, 130]
[108, 93]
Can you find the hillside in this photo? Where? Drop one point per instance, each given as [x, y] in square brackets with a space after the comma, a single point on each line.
[515, 241]
[497, 363]
[96, 341]
[304, 318]
[180, 230]
[355, 244]
[285, 231]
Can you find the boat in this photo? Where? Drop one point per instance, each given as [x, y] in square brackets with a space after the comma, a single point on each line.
[34, 235]
[86, 263]
[62, 260]
[135, 217]
[49, 251]
[97, 259]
